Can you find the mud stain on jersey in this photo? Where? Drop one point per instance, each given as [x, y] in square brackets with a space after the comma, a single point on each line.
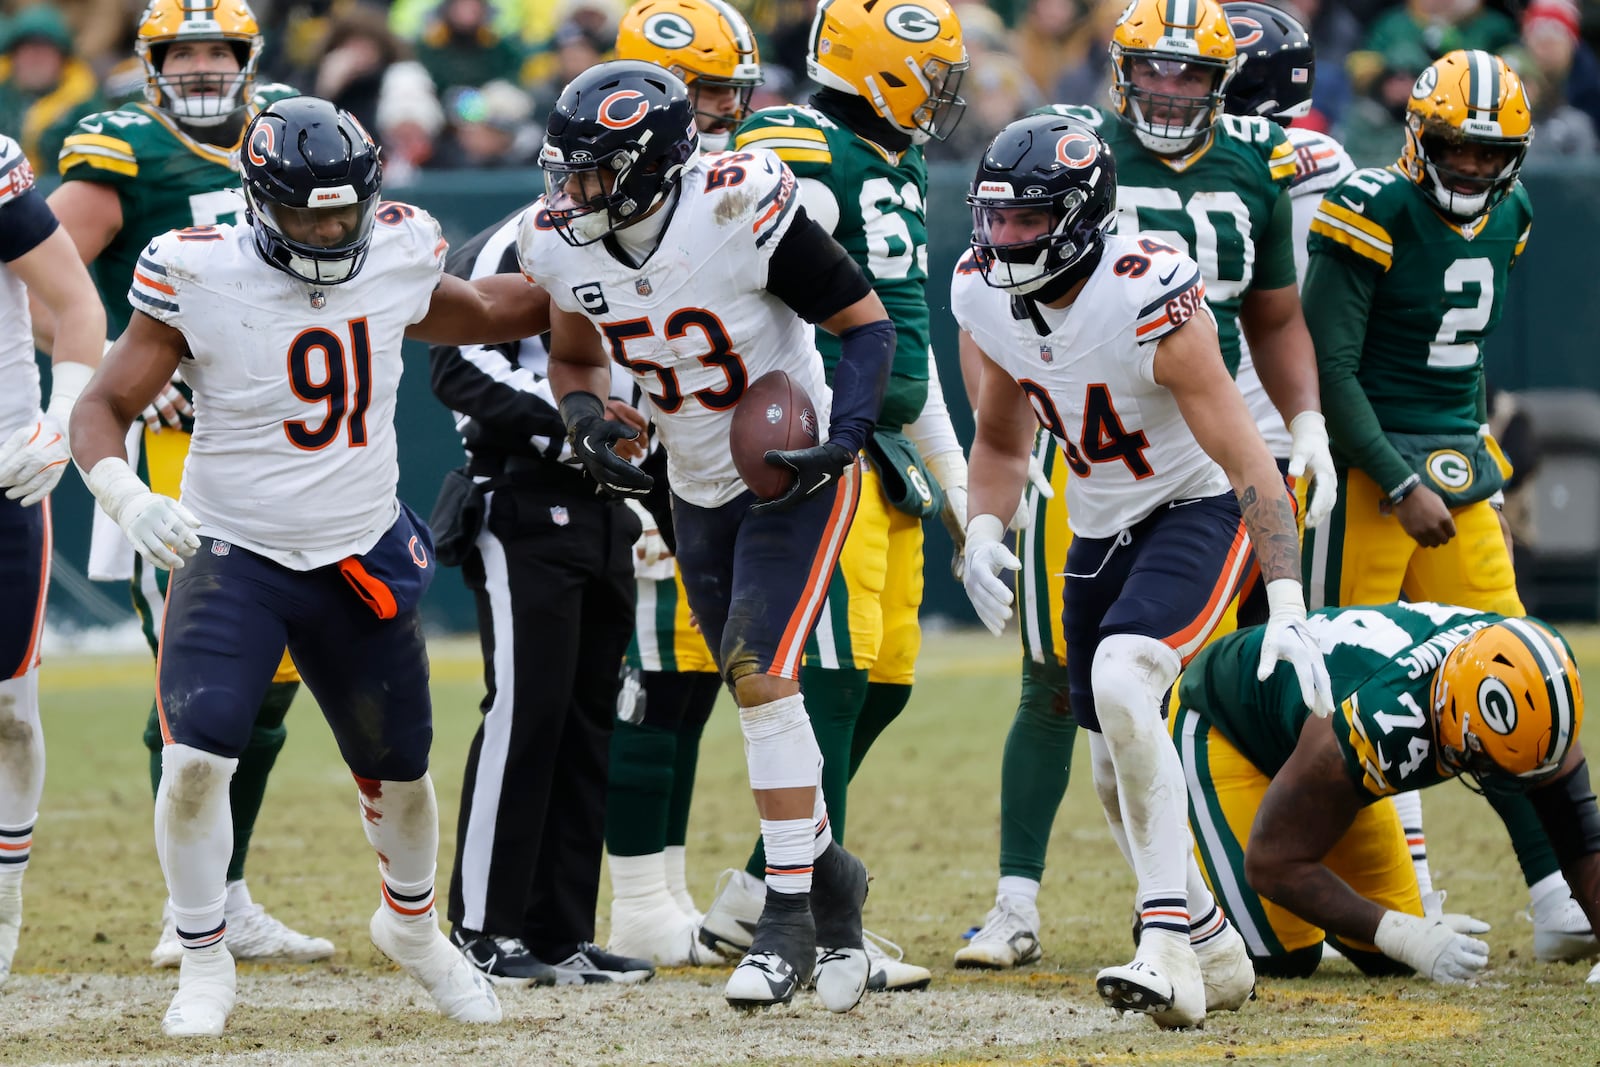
[733, 207]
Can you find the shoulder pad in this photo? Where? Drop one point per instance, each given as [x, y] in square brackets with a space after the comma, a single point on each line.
[767, 190]
[1357, 213]
[1169, 287]
[16, 173]
[163, 263]
[794, 134]
[1320, 161]
[1268, 138]
[104, 145]
[420, 229]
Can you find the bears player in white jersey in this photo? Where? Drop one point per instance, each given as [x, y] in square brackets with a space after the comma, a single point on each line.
[701, 274]
[36, 253]
[1109, 344]
[288, 329]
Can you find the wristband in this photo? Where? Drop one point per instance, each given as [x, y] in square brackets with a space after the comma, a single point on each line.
[1405, 488]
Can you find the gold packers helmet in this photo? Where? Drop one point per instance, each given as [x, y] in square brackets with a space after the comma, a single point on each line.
[1467, 98]
[1508, 703]
[198, 99]
[1165, 39]
[904, 57]
[707, 44]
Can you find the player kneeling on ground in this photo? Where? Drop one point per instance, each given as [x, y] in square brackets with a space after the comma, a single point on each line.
[1289, 815]
[289, 331]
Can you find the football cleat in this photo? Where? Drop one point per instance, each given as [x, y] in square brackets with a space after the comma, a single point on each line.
[592, 965]
[504, 960]
[730, 922]
[10, 919]
[459, 990]
[653, 928]
[1564, 935]
[1008, 938]
[206, 986]
[1163, 981]
[255, 935]
[781, 957]
[890, 973]
[169, 950]
[1230, 977]
[838, 890]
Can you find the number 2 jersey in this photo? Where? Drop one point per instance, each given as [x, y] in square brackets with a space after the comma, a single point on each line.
[695, 324]
[294, 454]
[1091, 379]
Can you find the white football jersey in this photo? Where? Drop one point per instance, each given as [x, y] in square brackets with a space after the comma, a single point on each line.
[294, 454]
[19, 374]
[695, 324]
[1320, 163]
[1091, 379]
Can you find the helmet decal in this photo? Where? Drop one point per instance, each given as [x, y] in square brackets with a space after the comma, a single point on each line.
[669, 30]
[1426, 83]
[1496, 706]
[1246, 30]
[1077, 150]
[615, 117]
[912, 22]
[261, 145]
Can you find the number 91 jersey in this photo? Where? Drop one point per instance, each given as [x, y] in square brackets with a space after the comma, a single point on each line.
[294, 454]
[1092, 384]
[694, 324]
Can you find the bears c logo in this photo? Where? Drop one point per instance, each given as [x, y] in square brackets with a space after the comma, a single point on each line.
[1246, 30]
[614, 113]
[261, 144]
[1076, 150]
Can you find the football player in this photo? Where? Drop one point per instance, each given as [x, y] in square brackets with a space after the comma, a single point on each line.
[37, 253]
[672, 681]
[1110, 345]
[292, 322]
[1418, 470]
[890, 77]
[701, 274]
[126, 176]
[1283, 806]
[1222, 189]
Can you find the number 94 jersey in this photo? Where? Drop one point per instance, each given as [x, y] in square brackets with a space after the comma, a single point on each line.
[1091, 380]
[294, 454]
[695, 325]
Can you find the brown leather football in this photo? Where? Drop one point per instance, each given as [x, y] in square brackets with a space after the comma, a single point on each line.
[774, 413]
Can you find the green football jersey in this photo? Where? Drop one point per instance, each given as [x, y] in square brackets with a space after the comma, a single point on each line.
[1218, 207]
[1381, 661]
[1440, 291]
[882, 224]
[164, 179]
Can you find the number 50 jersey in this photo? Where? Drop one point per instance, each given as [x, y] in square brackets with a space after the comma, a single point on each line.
[695, 325]
[294, 454]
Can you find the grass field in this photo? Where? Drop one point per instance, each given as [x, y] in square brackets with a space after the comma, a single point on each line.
[924, 815]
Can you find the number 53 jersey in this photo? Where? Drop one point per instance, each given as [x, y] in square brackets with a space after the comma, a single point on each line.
[1092, 384]
[694, 324]
[294, 454]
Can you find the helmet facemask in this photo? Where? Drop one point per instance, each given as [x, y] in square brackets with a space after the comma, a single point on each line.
[1166, 123]
[588, 199]
[1462, 196]
[716, 127]
[302, 255]
[1026, 266]
[199, 98]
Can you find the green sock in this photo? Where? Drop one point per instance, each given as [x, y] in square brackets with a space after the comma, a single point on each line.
[154, 742]
[1034, 770]
[249, 784]
[833, 700]
[685, 760]
[639, 789]
[1535, 854]
[883, 705]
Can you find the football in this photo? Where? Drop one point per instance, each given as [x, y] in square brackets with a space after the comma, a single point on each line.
[774, 413]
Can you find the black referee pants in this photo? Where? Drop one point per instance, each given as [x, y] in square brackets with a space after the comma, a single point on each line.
[552, 573]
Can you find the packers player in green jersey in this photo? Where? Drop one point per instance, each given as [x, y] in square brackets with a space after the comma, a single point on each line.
[1290, 814]
[889, 74]
[1408, 273]
[1216, 186]
[127, 176]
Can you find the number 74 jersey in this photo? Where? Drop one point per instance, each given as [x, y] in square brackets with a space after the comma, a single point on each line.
[294, 454]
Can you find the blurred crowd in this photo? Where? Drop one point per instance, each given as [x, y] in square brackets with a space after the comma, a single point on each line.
[463, 83]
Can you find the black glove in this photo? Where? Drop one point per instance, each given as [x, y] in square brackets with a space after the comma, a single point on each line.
[592, 435]
[815, 469]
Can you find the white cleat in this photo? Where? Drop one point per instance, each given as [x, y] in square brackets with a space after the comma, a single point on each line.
[653, 928]
[730, 922]
[255, 935]
[1230, 977]
[10, 919]
[1163, 981]
[890, 973]
[460, 990]
[169, 950]
[205, 996]
[761, 980]
[1009, 937]
[841, 977]
[1564, 935]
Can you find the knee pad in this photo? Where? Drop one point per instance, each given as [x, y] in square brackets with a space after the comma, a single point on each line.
[779, 747]
[1131, 675]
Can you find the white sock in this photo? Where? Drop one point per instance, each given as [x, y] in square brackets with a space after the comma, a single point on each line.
[789, 854]
[1018, 888]
[401, 821]
[22, 756]
[638, 878]
[1548, 895]
[677, 879]
[194, 839]
[1409, 807]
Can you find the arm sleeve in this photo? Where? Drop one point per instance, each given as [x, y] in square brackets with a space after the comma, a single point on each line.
[812, 273]
[1275, 258]
[1337, 299]
[859, 381]
[25, 221]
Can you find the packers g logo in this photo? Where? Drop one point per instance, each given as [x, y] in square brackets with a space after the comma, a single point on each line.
[1246, 30]
[911, 22]
[1450, 469]
[1496, 706]
[1076, 150]
[1427, 82]
[668, 30]
[607, 112]
[918, 484]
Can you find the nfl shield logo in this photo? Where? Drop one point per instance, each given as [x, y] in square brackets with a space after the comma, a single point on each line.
[1046, 355]
[559, 516]
[642, 286]
[220, 548]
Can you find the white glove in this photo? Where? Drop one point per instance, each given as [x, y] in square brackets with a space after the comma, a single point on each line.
[1463, 923]
[1037, 479]
[650, 548]
[33, 459]
[168, 408]
[1308, 451]
[1289, 638]
[986, 558]
[950, 470]
[1431, 948]
[164, 531]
